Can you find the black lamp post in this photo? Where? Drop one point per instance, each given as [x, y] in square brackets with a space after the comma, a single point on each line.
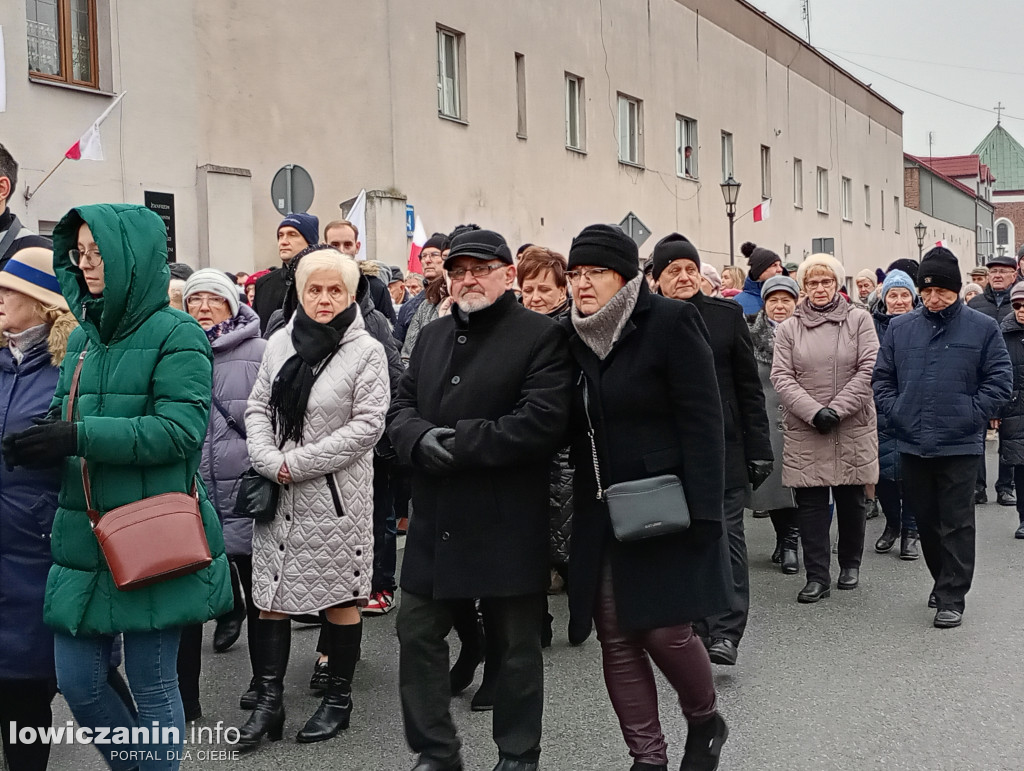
[731, 192]
[920, 228]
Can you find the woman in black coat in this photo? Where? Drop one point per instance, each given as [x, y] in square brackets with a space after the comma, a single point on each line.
[653, 401]
[1011, 426]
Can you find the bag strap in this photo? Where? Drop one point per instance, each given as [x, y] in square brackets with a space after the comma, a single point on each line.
[232, 423]
[590, 434]
[9, 236]
[94, 516]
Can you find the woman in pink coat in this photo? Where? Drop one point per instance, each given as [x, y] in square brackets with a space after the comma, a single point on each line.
[824, 357]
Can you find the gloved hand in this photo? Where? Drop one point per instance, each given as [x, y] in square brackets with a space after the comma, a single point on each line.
[434, 450]
[42, 445]
[758, 471]
[825, 420]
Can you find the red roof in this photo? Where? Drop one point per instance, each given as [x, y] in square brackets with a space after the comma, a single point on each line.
[957, 165]
[931, 166]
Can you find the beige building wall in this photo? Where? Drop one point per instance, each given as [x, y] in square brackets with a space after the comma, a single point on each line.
[353, 99]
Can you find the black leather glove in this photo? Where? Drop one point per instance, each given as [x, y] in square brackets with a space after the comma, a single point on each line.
[42, 445]
[758, 471]
[434, 450]
[825, 420]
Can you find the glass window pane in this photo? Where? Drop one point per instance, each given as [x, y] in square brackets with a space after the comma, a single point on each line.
[81, 41]
[43, 31]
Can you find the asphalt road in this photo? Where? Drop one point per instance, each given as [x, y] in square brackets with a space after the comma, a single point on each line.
[859, 681]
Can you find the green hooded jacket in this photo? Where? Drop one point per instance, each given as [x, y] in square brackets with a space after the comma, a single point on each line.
[143, 409]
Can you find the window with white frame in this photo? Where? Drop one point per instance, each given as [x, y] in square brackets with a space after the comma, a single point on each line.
[867, 205]
[686, 147]
[896, 213]
[823, 190]
[630, 130]
[846, 199]
[727, 167]
[575, 113]
[449, 75]
[766, 172]
[798, 183]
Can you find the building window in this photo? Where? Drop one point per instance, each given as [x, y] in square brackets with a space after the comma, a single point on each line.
[1002, 234]
[520, 96]
[896, 213]
[867, 205]
[822, 190]
[686, 147]
[575, 114]
[766, 172]
[630, 130]
[727, 167]
[881, 207]
[846, 199]
[798, 183]
[449, 73]
[62, 41]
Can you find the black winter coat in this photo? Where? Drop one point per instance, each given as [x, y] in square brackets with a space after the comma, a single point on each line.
[270, 293]
[656, 410]
[1011, 427]
[996, 306]
[747, 436]
[502, 378]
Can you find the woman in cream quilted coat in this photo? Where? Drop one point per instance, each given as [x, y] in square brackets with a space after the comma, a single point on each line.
[314, 416]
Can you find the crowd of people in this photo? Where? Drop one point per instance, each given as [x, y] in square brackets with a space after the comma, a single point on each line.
[593, 423]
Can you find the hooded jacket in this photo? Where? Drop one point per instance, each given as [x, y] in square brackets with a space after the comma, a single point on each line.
[142, 412]
[750, 298]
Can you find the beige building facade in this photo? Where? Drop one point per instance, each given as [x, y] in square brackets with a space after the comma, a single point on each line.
[533, 118]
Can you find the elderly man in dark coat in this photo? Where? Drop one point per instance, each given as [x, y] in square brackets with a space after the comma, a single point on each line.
[748, 447]
[479, 414]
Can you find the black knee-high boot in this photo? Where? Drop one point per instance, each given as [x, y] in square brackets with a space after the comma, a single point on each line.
[229, 626]
[483, 699]
[467, 625]
[335, 710]
[274, 639]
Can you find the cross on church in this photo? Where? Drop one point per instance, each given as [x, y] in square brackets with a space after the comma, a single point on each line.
[999, 112]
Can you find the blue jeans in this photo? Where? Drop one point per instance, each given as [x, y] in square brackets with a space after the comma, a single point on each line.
[150, 660]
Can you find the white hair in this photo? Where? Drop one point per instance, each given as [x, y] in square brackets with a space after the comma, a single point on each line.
[328, 259]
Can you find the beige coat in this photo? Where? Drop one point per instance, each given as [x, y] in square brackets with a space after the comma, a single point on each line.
[826, 360]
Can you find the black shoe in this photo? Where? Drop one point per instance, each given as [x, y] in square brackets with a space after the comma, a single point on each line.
[704, 745]
[193, 710]
[933, 601]
[886, 539]
[848, 578]
[426, 764]
[1006, 498]
[229, 627]
[948, 619]
[908, 545]
[1020, 531]
[980, 496]
[761, 514]
[321, 676]
[248, 700]
[814, 591]
[874, 510]
[483, 699]
[790, 556]
[508, 764]
[777, 554]
[273, 644]
[638, 766]
[723, 651]
[334, 712]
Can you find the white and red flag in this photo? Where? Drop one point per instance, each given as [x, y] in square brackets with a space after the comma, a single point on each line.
[763, 210]
[88, 147]
[419, 237]
[943, 243]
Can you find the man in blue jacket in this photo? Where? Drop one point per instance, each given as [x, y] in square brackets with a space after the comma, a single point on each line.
[942, 372]
[764, 263]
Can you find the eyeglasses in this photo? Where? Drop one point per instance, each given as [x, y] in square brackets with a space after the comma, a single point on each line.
[195, 302]
[478, 271]
[1017, 305]
[90, 257]
[575, 276]
[825, 283]
[430, 256]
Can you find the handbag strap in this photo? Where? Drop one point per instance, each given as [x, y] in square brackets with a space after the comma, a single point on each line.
[10, 236]
[590, 434]
[232, 423]
[94, 516]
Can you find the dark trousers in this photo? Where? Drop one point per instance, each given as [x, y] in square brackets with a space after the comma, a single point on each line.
[898, 508]
[26, 703]
[423, 624]
[1004, 482]
[243, 562]
[782, 520]
[733, 622]
[1018, 478]
[943, 490]
[626, 659]
[190, 663]
[815, 520]
[385, 533]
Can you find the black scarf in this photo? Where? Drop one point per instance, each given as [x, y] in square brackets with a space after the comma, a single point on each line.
[315, 344]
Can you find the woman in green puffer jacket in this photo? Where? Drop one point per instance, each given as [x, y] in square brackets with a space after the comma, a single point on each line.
[143, 408]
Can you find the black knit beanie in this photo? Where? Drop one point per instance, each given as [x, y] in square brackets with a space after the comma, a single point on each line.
[672, 247]
[606, 246]
[939, 268]
[436, 241]
[908, 266]
[760, 260]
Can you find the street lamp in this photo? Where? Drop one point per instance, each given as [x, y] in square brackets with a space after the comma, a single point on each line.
[731, 192]
[920, 228]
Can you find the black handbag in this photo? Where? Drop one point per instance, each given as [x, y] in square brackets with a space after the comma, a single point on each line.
[642, 508]
[257, 496]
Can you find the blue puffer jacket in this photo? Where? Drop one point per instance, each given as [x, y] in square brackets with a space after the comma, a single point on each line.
[939, 378]
[750, 298]
[28, 502]
[888, 455]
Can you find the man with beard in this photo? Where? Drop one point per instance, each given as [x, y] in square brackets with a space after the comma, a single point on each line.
[479, 414]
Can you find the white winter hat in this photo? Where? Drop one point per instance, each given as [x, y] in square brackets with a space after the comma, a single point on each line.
[825, 260]
[213, 281]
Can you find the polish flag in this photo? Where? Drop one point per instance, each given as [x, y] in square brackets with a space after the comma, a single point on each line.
[762, 211]
[943, 243]
[419, 237]
[88, 147]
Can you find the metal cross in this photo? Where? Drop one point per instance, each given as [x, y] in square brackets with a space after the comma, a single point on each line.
[999, 112]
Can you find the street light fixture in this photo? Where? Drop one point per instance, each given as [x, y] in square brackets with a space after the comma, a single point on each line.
[920, 228]
[731, 192]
